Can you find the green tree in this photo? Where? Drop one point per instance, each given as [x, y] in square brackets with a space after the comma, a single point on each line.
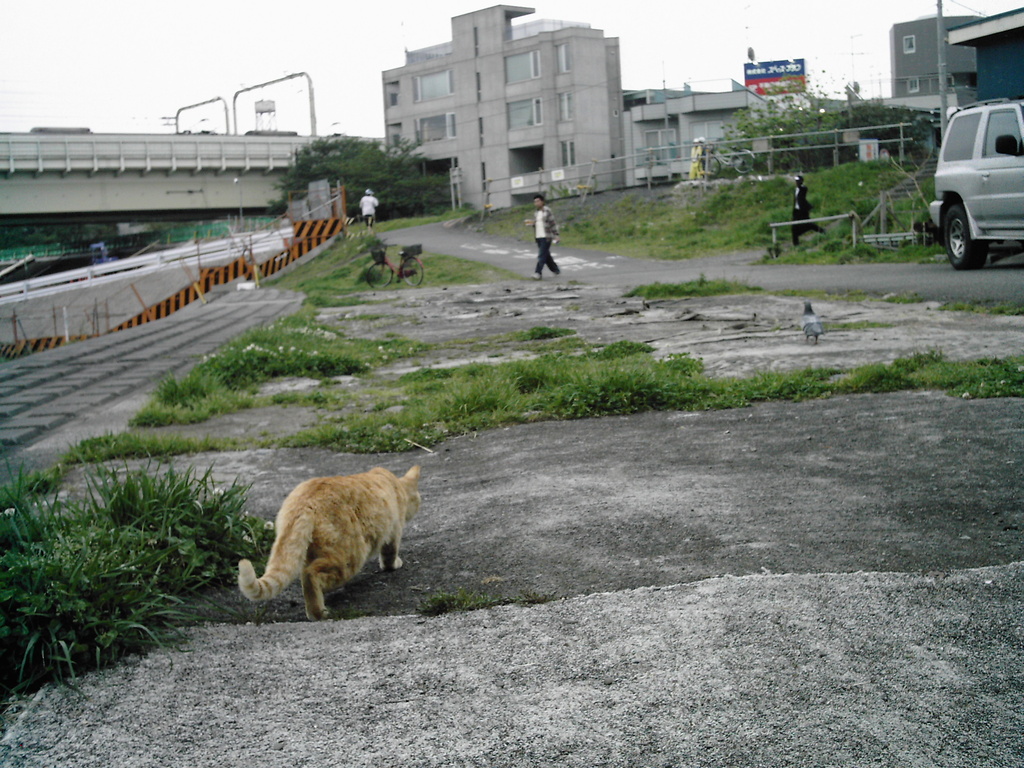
[396, 173]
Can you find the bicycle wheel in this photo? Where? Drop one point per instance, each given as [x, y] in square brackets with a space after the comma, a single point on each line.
[743, 161]
[713, 166]
[379, 275]
[412, 270]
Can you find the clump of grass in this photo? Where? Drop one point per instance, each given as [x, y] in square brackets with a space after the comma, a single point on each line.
[298, 346]
[619, 349]
[84, 582]
[693, 288]
[479, 396]
[541, 332]
[465, 600]
[989, 309]
[127, 445]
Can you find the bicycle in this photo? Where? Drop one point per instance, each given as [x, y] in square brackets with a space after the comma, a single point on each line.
[381, 272]
[739, 160]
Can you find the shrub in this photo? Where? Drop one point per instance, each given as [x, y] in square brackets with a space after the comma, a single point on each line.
[86, 582]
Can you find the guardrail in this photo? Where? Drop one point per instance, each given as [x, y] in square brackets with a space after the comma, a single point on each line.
[852, 216]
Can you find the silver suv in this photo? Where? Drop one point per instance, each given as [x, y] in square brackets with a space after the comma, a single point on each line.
[979, 182]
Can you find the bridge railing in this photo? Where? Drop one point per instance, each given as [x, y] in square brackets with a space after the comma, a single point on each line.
[193, 254]
[122, 153]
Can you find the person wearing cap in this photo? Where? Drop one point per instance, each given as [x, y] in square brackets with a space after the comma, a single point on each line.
[368, 208]
[802, 211]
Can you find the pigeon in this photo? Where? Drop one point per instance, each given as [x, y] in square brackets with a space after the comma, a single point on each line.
[811, 323]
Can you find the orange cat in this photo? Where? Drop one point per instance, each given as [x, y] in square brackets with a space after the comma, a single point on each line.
[328, 527]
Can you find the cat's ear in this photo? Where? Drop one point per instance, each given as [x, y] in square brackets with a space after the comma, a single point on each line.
[413, 475]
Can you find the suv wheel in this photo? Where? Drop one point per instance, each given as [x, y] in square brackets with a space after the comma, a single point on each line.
[963, 251]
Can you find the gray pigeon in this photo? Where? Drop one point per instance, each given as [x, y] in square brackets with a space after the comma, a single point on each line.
[811, 323]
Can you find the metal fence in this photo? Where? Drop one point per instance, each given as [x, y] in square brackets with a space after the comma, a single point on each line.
[779, 153]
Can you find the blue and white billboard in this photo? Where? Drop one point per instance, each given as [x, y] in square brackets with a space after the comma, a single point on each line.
[757, 75]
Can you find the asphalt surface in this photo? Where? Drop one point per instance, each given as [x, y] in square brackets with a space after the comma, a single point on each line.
[888, 657]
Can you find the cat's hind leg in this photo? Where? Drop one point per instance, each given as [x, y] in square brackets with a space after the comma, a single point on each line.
[319, 576]
[389, 559]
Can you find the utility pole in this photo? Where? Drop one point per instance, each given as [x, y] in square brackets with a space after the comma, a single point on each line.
[940, 31]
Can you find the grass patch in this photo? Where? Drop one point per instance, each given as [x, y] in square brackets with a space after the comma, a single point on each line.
[297, 346]
[462, 400]
[540, 333]
[85, 582]
[694, 288]
[732, 217]
[988, 309]
[464, 600]
[133, 445]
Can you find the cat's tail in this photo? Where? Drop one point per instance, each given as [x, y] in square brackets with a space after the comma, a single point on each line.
[286, 560]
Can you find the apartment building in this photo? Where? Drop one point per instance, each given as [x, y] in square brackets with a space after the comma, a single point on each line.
[511, 107]
[660, 127]
[914, 52]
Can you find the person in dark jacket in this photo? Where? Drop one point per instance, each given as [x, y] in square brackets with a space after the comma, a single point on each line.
[802, 211]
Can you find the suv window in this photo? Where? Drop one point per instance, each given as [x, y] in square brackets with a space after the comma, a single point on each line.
[1000, 123]
[960, 137]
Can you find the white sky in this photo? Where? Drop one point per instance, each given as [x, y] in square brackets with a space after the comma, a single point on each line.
[122, 67]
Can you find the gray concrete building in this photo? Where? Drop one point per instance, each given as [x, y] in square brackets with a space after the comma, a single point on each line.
[512, 108]
[914, 51]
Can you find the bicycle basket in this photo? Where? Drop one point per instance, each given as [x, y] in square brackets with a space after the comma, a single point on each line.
[378, 255]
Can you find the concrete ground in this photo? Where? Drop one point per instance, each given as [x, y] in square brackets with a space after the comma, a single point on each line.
[828, 583]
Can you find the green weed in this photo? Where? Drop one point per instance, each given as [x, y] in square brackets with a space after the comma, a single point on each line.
[699, 287]
[84, 582]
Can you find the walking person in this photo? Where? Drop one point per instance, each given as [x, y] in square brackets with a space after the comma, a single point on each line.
[368, 208]
[802, 211]
[545, 232]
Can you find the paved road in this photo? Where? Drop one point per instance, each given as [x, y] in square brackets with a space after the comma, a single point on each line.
[999, 282]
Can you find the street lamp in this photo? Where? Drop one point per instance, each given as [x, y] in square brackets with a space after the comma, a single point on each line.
[238, 181]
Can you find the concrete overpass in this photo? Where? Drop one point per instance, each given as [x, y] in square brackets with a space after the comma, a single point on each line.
[77, 175]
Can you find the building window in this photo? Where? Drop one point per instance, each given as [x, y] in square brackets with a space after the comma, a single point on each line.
[522, 114]
[479, 88]
[480, 128]
[664, 140]
[522, 66]
[568, 153]
[395, 134]
[564, 57]
[566, 108]
[436, 128]
[392, 92]
[913, 85]
[910, 44]
[426, 87]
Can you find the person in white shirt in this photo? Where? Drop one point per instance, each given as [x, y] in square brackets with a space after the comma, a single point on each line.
[545, 232]
[368, 208]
